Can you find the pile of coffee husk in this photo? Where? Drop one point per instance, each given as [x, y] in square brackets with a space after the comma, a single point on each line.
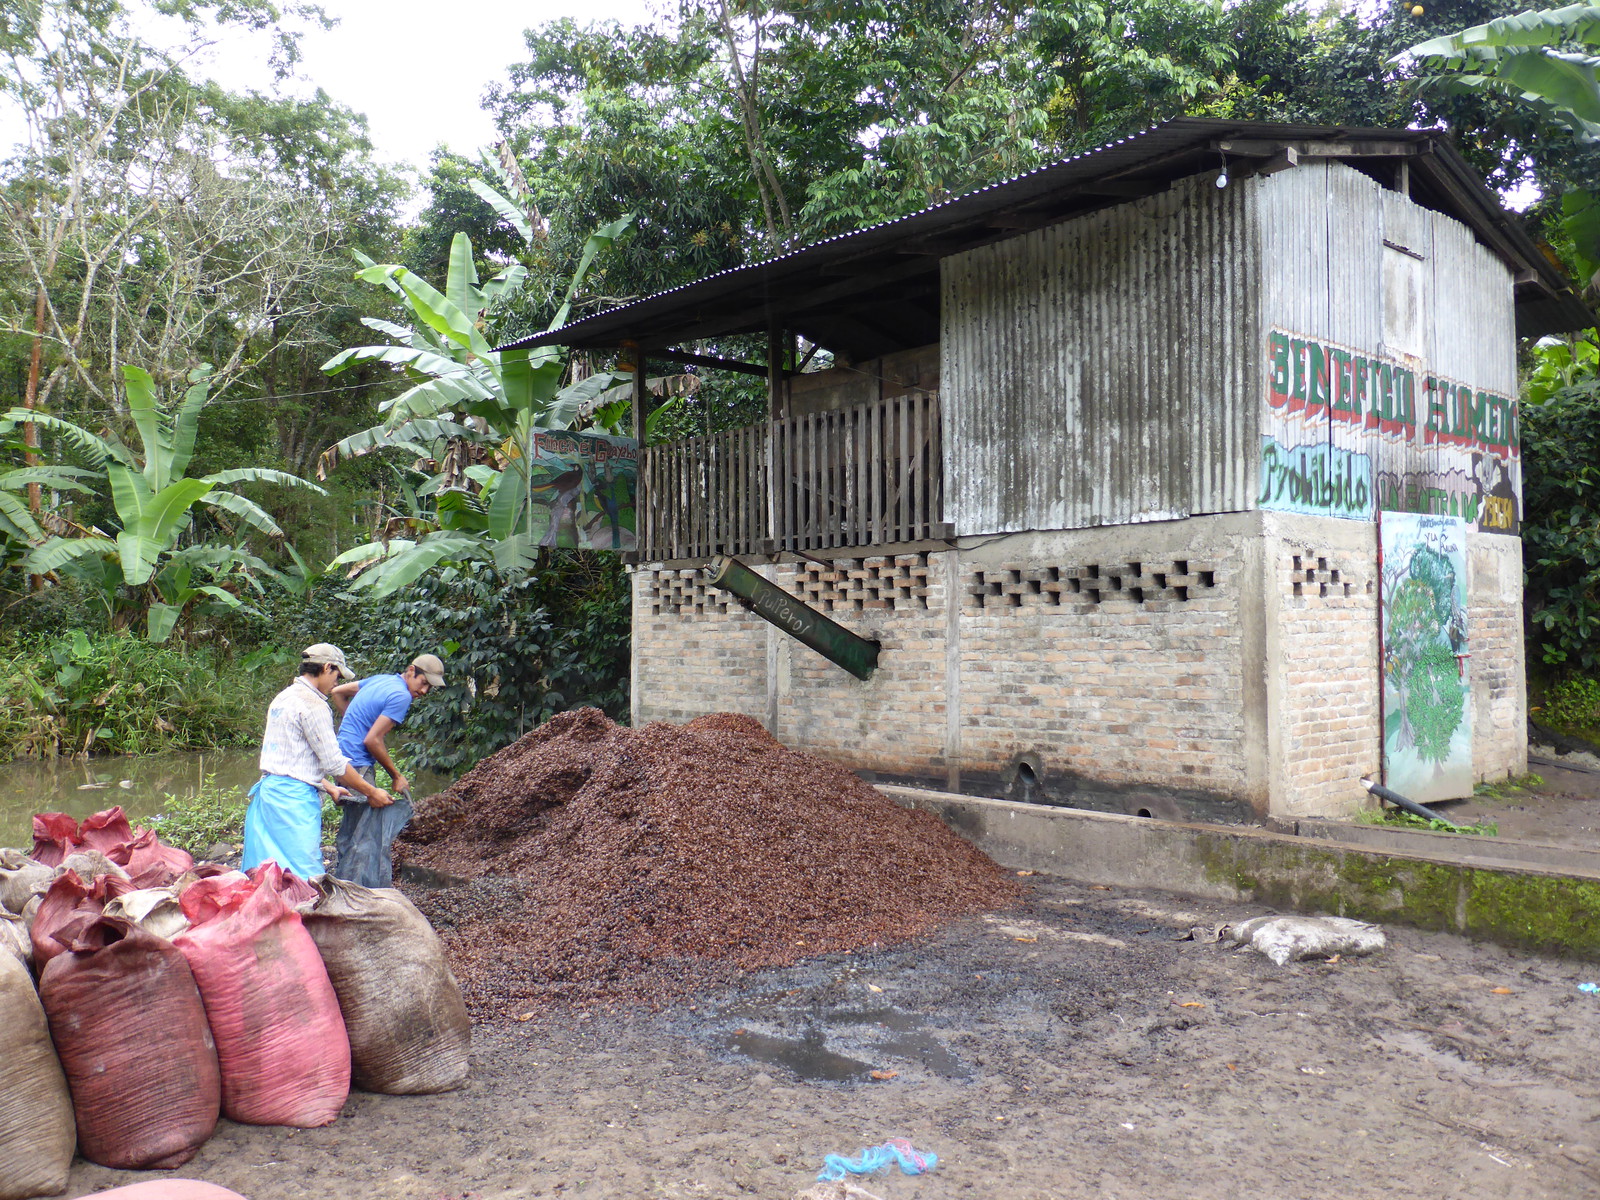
[615, 866]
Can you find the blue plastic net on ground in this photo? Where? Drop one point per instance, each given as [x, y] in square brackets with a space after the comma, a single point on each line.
[876, 1158]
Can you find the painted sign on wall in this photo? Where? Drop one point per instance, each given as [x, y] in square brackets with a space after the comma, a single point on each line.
[1348, 434]
[583, 490]
[1427, 699]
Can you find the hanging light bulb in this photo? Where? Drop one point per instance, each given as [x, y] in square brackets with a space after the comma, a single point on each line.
[1222, 177]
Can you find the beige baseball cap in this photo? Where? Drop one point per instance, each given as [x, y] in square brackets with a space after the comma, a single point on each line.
[432, 669]
[323, 652]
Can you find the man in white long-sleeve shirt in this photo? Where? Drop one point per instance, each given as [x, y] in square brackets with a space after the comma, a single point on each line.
[298, 753]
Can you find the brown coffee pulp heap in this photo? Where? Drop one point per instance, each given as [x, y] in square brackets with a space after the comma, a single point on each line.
[623, 866]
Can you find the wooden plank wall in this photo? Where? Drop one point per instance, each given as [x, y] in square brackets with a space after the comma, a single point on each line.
[867, 475]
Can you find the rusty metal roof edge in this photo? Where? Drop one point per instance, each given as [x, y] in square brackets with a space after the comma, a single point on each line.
[1193, 134]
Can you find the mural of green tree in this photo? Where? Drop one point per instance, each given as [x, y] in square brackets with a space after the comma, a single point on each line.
[1424, 638]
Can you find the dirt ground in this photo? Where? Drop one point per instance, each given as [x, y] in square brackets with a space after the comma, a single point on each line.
[1070, 1047]
[1564, 809]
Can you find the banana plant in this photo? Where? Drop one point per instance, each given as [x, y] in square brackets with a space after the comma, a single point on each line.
[155, 501]
[1548, 60]
[464, 390]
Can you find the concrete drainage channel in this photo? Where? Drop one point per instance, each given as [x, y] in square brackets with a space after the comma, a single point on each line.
[1530, 897]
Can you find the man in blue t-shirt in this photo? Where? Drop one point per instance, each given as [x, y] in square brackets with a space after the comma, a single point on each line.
[371, 708]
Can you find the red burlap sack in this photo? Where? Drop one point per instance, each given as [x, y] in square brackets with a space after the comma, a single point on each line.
[294, 890]
[131, 1032]
[105, 831]
[70, 897]
[36, 1135]
[281, 1042]
[149, 863]
[55, 835]
[215, 895]
[169, 1189]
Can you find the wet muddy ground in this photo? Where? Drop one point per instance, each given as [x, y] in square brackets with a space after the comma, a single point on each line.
[1069, 1047]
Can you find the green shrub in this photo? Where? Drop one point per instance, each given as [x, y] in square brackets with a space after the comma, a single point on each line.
[81, 693]
[518, 647]
[1573, 704]
[216, 814]
[1561, 525]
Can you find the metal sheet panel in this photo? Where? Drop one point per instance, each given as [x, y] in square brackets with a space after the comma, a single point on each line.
[1105, 370]
[1391, 352]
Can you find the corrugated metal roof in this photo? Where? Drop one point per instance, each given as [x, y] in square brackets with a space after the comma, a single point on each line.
[876, 290]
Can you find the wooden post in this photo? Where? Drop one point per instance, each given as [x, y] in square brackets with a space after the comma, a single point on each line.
[775, 341]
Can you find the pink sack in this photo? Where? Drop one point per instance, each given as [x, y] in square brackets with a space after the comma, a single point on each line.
[281, 1041]
[131, 1032]
[105, 831]
[169, 1189]
[149, 863]
[294, 890]
[55, 835]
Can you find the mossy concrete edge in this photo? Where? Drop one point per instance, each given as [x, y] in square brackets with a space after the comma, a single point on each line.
[1523, 907]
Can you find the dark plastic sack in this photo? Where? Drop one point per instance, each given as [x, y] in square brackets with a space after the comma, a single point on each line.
[281, 1042]
[36, 1132]
[409, 1029]
[55, 835]
[131, 1032]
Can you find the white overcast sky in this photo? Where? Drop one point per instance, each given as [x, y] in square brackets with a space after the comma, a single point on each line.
[417, 68]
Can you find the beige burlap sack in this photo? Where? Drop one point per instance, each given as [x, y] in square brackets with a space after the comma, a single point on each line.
[37, 1132]
[21, 879]
[409, 1029]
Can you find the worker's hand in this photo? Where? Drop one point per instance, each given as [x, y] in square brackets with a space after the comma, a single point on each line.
[338, 793]
[399, 784]
[380, 799]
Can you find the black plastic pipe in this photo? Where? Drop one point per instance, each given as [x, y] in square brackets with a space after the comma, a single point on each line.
[1411, 806]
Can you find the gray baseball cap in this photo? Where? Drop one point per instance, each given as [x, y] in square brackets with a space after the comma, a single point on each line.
[323, 652]
[432, 669]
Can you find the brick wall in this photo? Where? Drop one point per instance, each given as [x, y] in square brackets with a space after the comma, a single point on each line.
[1225, 661]
[1327, 667]
[1107, 668]
[1498, 667]
[695, 650]
[894, 723]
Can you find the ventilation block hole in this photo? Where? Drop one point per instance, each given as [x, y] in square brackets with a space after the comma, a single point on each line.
[1181, 567]
[1136, 595]
[1208, 579]
[1144, 812]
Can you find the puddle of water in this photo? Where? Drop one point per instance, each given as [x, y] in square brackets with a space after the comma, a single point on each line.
[140, 784]
[807, 1056]
[810, 1058]
[915, 1044]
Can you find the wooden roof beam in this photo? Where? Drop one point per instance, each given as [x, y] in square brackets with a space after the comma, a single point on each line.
[711, 361]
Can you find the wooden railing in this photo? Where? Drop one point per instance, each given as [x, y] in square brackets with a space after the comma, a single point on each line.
[866, 475]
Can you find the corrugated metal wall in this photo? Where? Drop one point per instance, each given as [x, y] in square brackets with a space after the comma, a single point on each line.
[1401, 285]
[1107, 369]
[1113, 369]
